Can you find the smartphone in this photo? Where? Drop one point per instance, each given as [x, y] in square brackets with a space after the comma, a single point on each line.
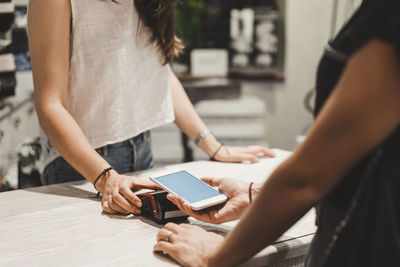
[191, 189]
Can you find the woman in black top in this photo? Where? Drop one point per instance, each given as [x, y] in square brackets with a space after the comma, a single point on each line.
[349, 165]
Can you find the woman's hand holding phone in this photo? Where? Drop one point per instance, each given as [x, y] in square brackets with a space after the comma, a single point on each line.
[117, 193]
[238, 200]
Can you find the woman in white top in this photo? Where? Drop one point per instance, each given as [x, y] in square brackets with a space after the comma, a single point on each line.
[102, 81]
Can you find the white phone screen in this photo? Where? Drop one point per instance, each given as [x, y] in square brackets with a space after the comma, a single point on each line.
[187, 186]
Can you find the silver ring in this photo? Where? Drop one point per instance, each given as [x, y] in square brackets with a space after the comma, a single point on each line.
[169, 236]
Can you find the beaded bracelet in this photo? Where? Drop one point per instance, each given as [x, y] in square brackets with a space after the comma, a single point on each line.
[99, 176]
[216, 151]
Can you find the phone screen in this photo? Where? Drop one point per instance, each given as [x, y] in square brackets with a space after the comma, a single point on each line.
[187, 186]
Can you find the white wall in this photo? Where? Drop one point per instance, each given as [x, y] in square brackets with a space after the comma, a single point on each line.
[307, 29]
[345, 10]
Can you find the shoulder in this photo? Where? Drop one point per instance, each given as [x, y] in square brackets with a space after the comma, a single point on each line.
[48, 23]
[50, 7]
[377, 20]
[377, 50]
[47, 14]
[377, 67]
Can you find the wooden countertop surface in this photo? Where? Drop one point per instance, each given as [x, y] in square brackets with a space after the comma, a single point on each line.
[60, 225]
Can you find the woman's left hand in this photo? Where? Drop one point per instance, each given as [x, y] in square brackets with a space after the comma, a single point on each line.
[189, 245]
[240, 154]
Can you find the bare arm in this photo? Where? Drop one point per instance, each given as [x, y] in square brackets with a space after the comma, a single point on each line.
[49, 47]
[187, 119]
[49, 37]
[362, 111]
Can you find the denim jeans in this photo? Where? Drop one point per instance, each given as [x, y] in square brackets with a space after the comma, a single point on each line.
[130, 155]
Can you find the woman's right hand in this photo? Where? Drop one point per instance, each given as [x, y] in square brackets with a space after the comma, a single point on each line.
[238, 200]
[118, 193]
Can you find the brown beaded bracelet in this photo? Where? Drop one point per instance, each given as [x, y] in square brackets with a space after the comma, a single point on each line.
[216, 151]
[250, 193]
[99, 176]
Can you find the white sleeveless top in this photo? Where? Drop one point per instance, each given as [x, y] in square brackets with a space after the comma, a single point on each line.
[118, 87]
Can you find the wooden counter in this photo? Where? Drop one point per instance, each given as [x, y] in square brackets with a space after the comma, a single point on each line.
[59, 225]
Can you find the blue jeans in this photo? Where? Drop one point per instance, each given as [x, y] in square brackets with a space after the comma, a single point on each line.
[130, 155]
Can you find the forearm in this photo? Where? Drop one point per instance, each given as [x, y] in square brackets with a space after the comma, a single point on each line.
[187, 119]
[49, 42]
[357, 117]
[278, 206]
[65, 134]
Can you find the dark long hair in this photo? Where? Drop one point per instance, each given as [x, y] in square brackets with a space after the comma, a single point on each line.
[159, 16]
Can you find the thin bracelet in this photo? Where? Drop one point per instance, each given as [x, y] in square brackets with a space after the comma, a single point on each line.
[216, 151]
[98, 177]
[250, 193]
[201, 136]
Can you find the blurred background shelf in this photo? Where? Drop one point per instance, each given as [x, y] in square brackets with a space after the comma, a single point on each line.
[20, 2]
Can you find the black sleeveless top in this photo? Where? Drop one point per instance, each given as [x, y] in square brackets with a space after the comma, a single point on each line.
[359, 222]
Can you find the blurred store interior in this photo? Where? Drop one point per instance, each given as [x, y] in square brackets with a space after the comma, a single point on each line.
[249, 67]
